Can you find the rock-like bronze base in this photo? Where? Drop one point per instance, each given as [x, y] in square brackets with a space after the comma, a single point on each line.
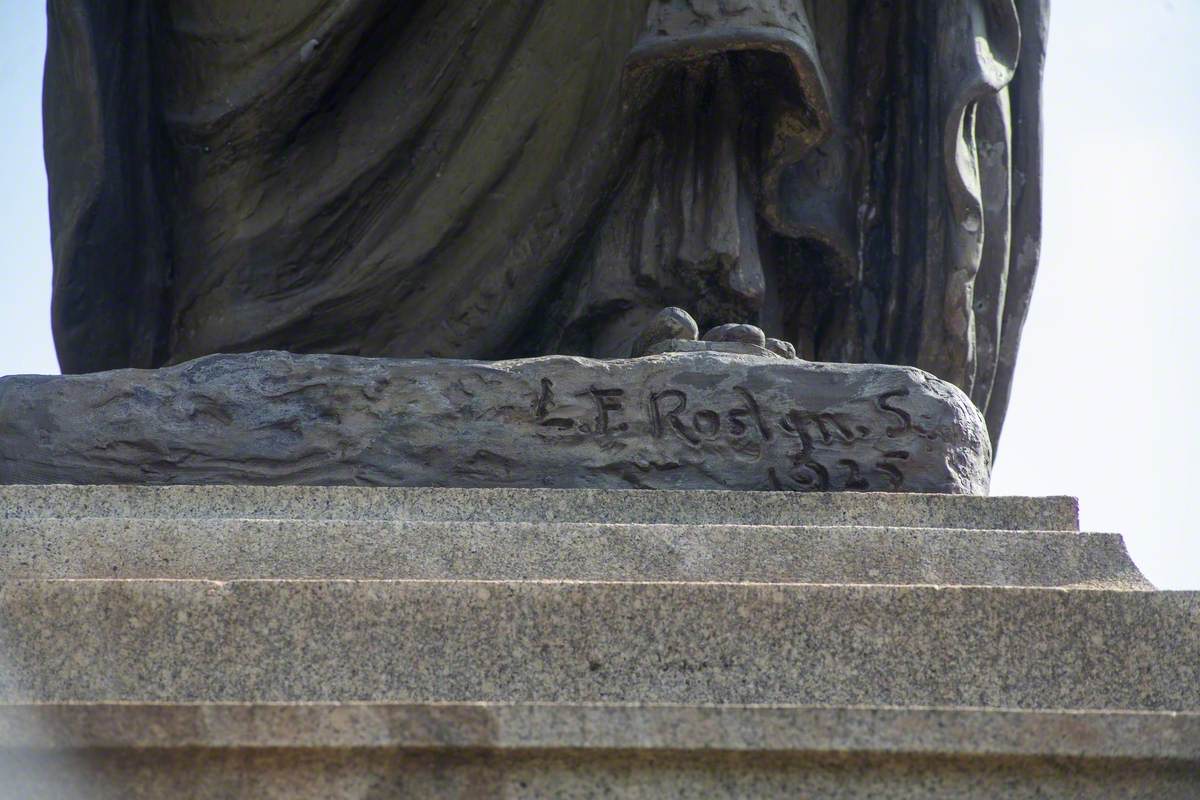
[700, 420]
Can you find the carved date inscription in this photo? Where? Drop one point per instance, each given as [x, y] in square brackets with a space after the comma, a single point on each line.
[801, 449]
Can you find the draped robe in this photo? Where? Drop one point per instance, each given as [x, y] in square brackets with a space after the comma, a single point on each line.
[495, 178]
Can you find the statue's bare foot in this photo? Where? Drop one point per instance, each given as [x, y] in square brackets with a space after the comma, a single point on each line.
[735, 332]
[782, 348]
[670, 324]
[674, 330]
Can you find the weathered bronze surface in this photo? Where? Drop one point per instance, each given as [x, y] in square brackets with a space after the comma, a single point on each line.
[503, 178]
[699, 420]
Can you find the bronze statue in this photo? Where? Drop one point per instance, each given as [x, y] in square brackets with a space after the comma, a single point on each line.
[500, 178]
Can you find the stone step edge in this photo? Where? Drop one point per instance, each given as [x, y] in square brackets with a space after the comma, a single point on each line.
[226, 583]
[534, 505]
[837, 527]
[952, 731]
[254, 548]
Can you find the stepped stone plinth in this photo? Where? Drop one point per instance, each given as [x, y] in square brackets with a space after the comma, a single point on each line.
[348, 642]
[590, 247]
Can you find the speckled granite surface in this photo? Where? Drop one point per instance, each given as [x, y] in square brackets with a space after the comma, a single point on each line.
[216, 642]
[682, 507]
[481, 750]
[266, 548]
[975, 732]
[387, 774]
[408, 641]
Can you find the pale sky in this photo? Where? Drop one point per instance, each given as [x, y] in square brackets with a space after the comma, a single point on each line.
[1103, 398]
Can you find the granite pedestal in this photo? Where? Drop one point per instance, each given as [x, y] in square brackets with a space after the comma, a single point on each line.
[373, 643]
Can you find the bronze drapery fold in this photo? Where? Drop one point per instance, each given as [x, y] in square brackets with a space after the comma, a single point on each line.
[485, 178]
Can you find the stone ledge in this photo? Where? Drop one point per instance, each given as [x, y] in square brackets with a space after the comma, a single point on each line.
[543, 505]
[498, 726]
[557, 641]
[226, 549]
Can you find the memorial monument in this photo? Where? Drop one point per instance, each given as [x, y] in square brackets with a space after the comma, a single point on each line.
[382, 323]
[493, 180]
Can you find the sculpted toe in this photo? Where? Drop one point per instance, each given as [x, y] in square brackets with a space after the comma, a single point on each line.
[670, 323]
[781, 348]
[747, 334]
